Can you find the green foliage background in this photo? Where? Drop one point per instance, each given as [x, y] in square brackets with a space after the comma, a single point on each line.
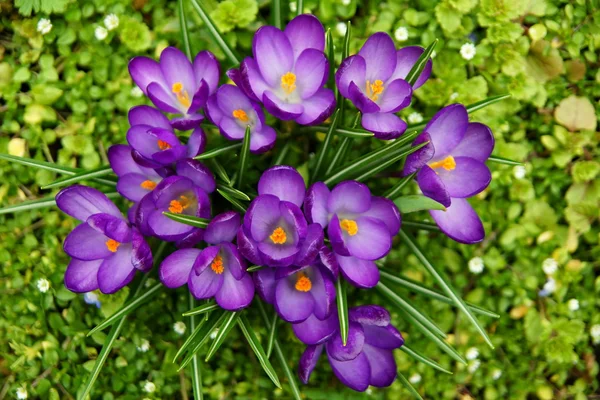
[64, 97]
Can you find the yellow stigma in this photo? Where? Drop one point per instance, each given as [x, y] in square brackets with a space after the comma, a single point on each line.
[374, 89]
[177, 206]
[148, 185]
[112, 245]
[278, 236]
[241, 115]
[447, 163]
[349, 226]
[217, 265]
[303, 283]
[288, 82]
[162, 145]
[182, 95]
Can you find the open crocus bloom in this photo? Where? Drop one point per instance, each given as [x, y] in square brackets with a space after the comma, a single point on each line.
[106, 251]
[175, 85]
[217, 271]
[135, 181]
[275, 232]
[374, 81]
[232, 111]
[289, 71]
[452, 168]
[153, 141]
[367, 359]
[175, 194]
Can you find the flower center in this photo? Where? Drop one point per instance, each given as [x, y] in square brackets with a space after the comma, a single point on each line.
[182, 95]
[278, 236]
[303, 283]
[217, 265]
[374, 89]
[148, 185]
[447, 163]
[349, 226]
[241, 115]
[162, 145]
[112, 245]
[177, 206]
[288, 82]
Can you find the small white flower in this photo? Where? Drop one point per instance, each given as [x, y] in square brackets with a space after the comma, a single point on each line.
[341, 28]
[293, 6]
[433, 54]
[179, 328]
[101, 33]
[549, 266]
[414, 379]
[21, 393]
[369, 391]
[346, 2]
[213, 334]
[472, 353]
[144, 346]
[474, 366]
[44, 26]
[401, 34]
[468, 51]
[43, 285]
[149, 387]
[496, 374]
[519, 172]
[137, 92]
[476, 265]
[91, 298]
[573, 304]
[111, 21]
[550, 286]
[415, 118]
[595, 333]
[453, 96]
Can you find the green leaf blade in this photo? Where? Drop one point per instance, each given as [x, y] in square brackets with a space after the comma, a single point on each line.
[255, 345]
[224, 329]
[217, 151]
[342, 306]
[421, 63]
[187, 219]
[324, 150]
[244, 155]
[417, 202]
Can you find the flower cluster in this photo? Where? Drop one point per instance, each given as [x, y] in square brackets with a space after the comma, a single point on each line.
[300, 240]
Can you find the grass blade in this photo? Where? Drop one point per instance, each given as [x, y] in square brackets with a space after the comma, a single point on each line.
[394, 192]
[397, 156]
[236, 194]
[83, 176]
[342, 306]
[196, 373]
[192, 338]
[49, 201]
[204, 308]
[224, 329]
[272, 332]
[254, 268]
[243, 165]
[276, 13]
[345, 132]
[424, 226]
[324, 150]
[300, 7]
[421, 63]
[220, 171]
[471, 108]
[214, 32]
[443, 282]
[258, 350]
[185, 36]
[425, 360]
[505, 161]
[217, 151]
[282, 154]
[188, 219]
[234, 202]
[338, 156]
[345, 53]
[417, 202]
[409, 386]
[331, 57]
[215, 320]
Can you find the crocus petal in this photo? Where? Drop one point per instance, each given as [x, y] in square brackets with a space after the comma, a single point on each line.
[291, 304]
[231, 98]
[406, 58]
[305, 32]
[167, 229]
[141, 254]
[188, 121]
[383, 366]
[86, 243]
[354, 345]
[460, 222]
[262, 216]
[252, 81]
[273, 53]
[419, 158]
[81, 201]
[265, 283]
[336, 236]
[198, 101]
[323, 291]
[121, 161]
[130, 186]
[313, 331]
[206, 67]
[432, 186]
[385, 126]
[191, 239]
[310, 246]
[144, 139]
[197, 173]
[113, 227]
[308, 362]
[396, 96]
[163, 99]
[222, 228]
[235, 75]
[312, 69]
[360, 100]
[205, 285]
[468, 178]
[329, 262]
[315, 204]
[370, 315]
[82, 276]
[142, 212]
[384, 337]
[386, 211]
[349, 197]
[144, 71]
[283, 182]
[262, 140]
[352, 69]
[360, 273]
[146, 115]
[175, 270]
[248, 247]
[196, 143]
[447, 128]
[232, 260]
[116, 271]
[355, 374]
[317, 108]
[235, 294]
[177, 68]
[280, 108]
[380, 54]
[477, 143]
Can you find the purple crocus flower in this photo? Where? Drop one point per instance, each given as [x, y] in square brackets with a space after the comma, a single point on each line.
[374, 81]
[232, 111]
[289, 71]
[105, 250]
[275, 232]
[360, 227]
[175, 85]
[153, 141]
[367, 359]
[135, 181]
[217, 271]
[452, 168]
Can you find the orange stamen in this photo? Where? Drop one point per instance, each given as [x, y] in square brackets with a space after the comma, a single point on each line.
[278, 236]
[349, 226]
[148, 185]
[288, 82]
[374, 89]
[177, 206]
[112, 245]
[162, 145]
[447, 163]
[303, 283]
[182, 95]
[217, 265]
